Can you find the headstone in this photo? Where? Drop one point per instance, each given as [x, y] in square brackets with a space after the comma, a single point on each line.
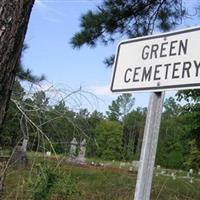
[24, 144]
[190, 172]
[19, 157]
[130, 169]
[189, 175]
[92, 163]
[81, 155]
[191, 180]
[72, 153]
[163, 172]
[173, 176]
[158, 167]
[135, 164]
[101, 164]
[122, 164]
[48, 153]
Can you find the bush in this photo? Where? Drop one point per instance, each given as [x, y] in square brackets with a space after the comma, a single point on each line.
[51, 182]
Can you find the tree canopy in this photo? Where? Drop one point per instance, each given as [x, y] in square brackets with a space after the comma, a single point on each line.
[118, 18]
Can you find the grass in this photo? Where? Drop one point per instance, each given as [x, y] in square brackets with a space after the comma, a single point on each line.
[101, 183]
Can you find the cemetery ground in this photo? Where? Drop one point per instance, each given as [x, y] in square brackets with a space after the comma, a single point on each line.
[53, 178]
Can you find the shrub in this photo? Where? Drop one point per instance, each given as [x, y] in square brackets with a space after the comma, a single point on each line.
[50, 182]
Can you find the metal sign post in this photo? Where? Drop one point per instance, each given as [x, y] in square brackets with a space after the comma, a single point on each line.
[149, 145]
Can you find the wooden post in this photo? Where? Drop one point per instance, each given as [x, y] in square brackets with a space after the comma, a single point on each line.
[149, 146]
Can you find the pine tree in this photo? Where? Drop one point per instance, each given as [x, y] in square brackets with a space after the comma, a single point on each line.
[23, 74]
[131, 18]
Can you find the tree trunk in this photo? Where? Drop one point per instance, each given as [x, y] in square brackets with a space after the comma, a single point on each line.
[14, 17]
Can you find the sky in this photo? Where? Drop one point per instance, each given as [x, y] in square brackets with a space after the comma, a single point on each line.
[52, 24]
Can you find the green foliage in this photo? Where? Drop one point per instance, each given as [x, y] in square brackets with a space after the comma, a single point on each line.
[175, 157]
[107, 184]
[114, 111]
[171, 107]
[41, 187]
[66, 186]
[120, 107]
[51, 182]
[109, 134]
[40, 100]
[93, 121]
[109, 61]
[193, 159]
[172, 142]
[117, 136]
[133, 18]
[191, 110]
[133, 128]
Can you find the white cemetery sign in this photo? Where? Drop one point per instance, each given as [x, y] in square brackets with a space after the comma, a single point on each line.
[158, 62]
